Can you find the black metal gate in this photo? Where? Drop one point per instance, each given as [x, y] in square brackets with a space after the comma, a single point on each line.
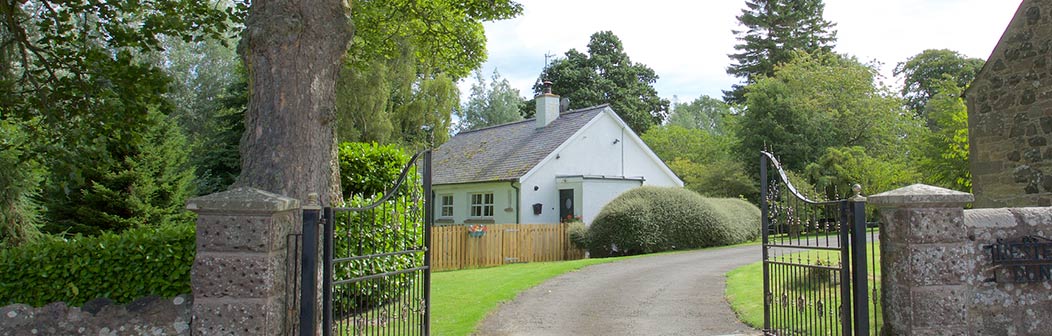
[375, 260]
[816, 277]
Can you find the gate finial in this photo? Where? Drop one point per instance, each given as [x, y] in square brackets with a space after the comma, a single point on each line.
[857, 189]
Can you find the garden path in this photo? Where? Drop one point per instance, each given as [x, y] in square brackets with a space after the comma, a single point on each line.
[668, 294]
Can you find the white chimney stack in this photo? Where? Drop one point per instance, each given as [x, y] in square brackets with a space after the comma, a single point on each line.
[547, 106]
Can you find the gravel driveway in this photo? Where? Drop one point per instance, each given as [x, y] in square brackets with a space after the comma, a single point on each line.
[672, 294]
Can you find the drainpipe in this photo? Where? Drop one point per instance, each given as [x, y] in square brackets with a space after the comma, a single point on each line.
[518, 201]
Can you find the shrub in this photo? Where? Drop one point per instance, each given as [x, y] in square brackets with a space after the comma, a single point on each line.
[624, 227]
[578, 233]
[653, 219]
[368, 169]
[121, 267]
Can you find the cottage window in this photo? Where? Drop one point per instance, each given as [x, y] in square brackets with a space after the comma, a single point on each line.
[482, 205]
[446, 205]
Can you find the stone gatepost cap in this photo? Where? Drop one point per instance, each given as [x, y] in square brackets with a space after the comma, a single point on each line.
[922, 196]
[242, 199]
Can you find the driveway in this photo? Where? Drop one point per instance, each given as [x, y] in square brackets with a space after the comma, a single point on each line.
[671, 294]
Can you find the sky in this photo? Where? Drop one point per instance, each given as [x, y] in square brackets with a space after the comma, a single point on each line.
[687, 42]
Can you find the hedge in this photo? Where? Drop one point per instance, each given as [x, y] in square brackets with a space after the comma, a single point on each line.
[655, 219]
[122, 267]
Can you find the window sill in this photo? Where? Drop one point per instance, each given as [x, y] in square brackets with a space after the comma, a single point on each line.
[481, 220]
[444, 220]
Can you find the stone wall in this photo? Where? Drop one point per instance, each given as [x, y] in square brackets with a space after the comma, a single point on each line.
[1010, 114]
[145, 316]
[937, 271]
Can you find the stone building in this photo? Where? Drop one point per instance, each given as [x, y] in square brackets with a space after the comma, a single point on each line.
[1010, 114]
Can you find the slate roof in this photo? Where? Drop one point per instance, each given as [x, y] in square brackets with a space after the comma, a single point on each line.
[504, 152]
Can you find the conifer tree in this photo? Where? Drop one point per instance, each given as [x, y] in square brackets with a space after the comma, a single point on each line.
[773, 30]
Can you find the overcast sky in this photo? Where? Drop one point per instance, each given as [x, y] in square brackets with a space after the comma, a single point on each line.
[687, 42]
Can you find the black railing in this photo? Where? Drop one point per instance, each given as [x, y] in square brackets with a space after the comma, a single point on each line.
[376, 272]
[814, 260]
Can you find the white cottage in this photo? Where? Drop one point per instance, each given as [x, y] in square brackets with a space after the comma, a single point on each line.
[543, 169]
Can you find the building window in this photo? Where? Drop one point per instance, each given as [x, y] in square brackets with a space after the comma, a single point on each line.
[482, 205]
[446, 205]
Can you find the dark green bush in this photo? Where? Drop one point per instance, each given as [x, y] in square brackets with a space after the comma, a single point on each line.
[368, 169]
[120, 184]
[121, 267]
[654, 219]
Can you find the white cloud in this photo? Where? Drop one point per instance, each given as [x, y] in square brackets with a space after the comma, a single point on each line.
[687, 42]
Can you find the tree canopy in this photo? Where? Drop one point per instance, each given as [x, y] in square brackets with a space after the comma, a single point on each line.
[607, 75]
[924, 73]
[705, 113]
[488, 105]
[814, 102]
[774, 29]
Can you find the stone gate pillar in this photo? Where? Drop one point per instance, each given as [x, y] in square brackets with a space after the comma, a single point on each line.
[924, 251]
[240, 278]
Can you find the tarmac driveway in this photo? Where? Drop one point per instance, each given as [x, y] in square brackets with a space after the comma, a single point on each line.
[671, 294]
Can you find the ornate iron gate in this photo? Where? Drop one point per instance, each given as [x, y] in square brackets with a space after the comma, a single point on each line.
[816, 276]
[376, 273]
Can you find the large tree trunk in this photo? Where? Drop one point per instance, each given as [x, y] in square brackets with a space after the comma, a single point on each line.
[292, 51]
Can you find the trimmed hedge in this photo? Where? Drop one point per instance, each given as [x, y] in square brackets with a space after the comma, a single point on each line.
[122, 267]
[655, 219]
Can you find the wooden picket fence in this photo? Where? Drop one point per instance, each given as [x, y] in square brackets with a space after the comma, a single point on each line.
[452, 248]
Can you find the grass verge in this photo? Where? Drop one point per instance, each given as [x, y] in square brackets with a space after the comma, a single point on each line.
[745, 290]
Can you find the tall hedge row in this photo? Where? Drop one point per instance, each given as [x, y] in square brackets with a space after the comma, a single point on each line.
[655, 219]
[122, 267]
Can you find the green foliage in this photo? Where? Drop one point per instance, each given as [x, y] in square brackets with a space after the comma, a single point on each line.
[446, 36]
[216, 154]
[578, 233]
[123, 185]
[121, 267]
[672, 142]
[705, 113]
[607, 75]
[943, 154]
[390, 102]
[20, 176]
[923, 73]
[653, 219]
[819, 101]
[208, 94]
[724, 178]
[840, 167]
[396, 225]
[398, 83]
[489, 106]
[368, 168]
[703, 160]
[774, 30]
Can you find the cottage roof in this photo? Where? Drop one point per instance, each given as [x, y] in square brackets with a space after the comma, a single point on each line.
[505, 152]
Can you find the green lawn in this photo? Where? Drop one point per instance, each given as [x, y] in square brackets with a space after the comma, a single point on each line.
[745, 290]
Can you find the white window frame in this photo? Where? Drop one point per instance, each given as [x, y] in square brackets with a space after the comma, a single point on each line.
[443, 206]
[480, 205]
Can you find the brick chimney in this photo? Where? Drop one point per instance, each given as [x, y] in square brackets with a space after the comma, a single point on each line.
[547, 106]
